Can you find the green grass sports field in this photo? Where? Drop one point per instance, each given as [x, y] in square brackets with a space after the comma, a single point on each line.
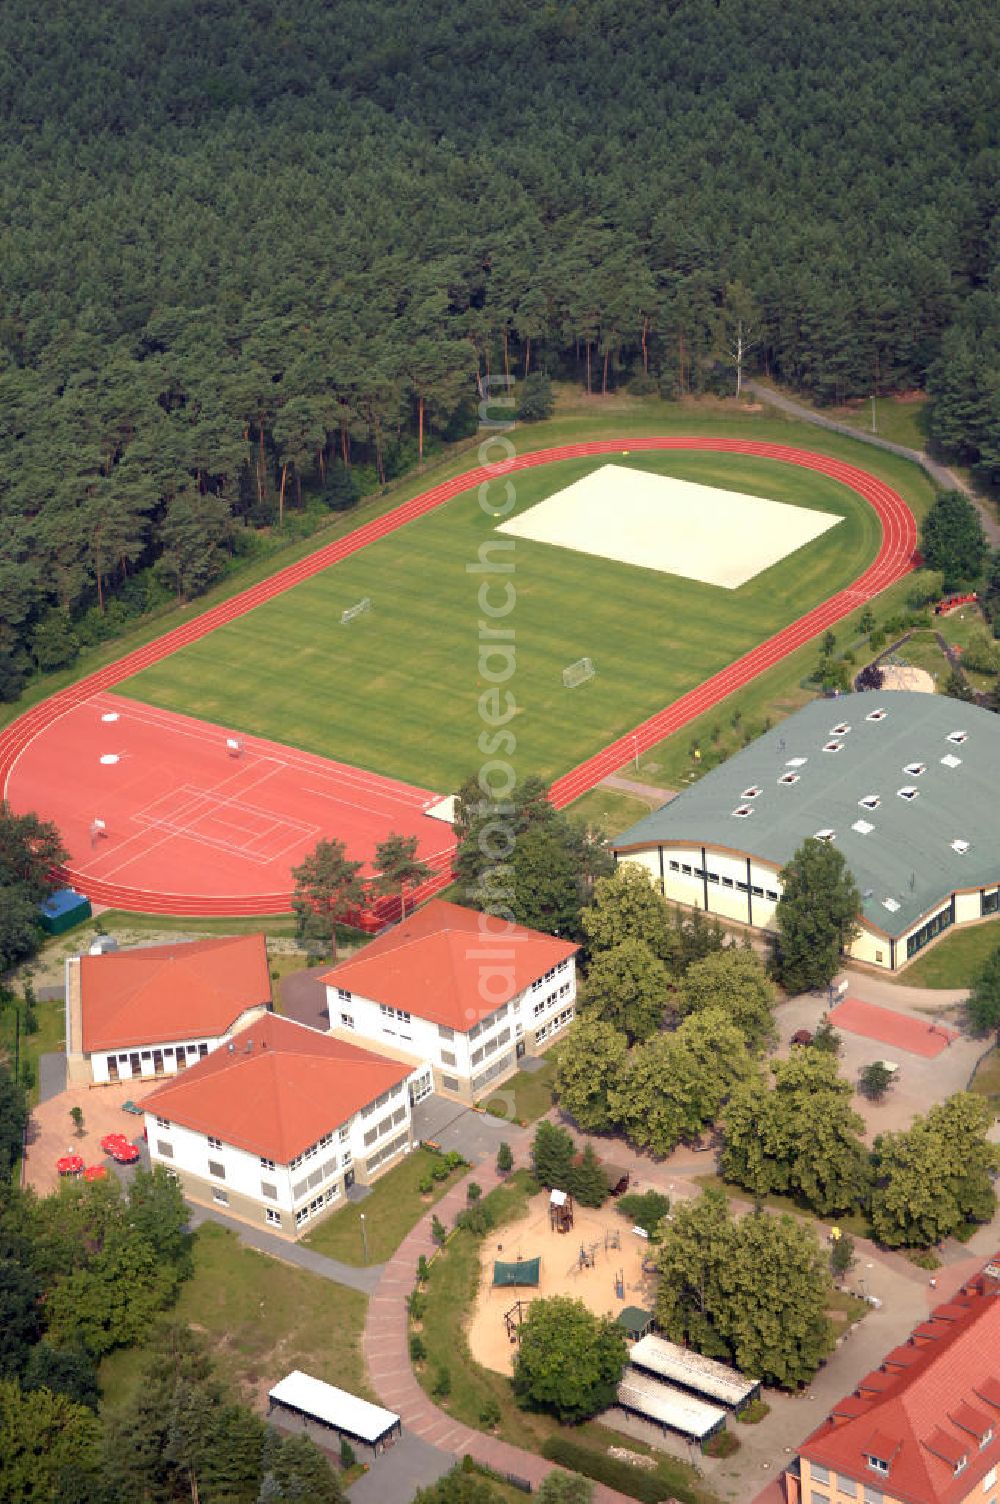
[396, 691]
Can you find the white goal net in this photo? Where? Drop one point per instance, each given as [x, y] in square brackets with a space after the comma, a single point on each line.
[578, 672]
[355, 611]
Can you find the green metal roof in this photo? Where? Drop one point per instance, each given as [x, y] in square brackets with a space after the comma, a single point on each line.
[815, 771]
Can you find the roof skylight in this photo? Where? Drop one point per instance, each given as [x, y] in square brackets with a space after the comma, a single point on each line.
[833, 746]
[742, 811]
[908, 792]
[949, 760]
[796, 762]
[789, 778]
[914, 769]
[751, 792]
[892, 904]
[863, 827]
[876, 715]
[841, 729]
[870, 801]
[824, 835]
[958, 737]
[960, 846]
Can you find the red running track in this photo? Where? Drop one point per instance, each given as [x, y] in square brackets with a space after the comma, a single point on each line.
[894, 559]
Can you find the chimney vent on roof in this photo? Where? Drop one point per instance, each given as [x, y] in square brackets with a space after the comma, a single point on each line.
[231, 1047]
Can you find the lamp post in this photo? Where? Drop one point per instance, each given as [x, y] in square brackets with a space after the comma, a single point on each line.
[364, 1237]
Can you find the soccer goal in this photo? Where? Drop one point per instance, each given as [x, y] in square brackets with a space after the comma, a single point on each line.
[355, 611]
[578, 672]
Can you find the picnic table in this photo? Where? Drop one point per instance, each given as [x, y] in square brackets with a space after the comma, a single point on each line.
[70, 1164]
[95, 1172]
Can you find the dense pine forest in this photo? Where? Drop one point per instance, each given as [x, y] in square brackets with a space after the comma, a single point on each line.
[256, 255]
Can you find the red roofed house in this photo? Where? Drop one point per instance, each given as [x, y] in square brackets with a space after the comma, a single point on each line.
[465, 992]
[276, 1125]
[924, 1428]
[154, 1010]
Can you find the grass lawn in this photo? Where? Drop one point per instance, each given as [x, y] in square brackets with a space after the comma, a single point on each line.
[901, 420]
[532, 1091]
[48, 1038]
[356, 694]
[611, 810]
[392, 1207]
[986, 1081]
[743, 716]
[956, 960]
[262, 1318]
[450, 1291]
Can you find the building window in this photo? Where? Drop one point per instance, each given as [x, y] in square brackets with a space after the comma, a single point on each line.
[302, 1215]
[269, 1190]
[163, 1122]
[450, 1083]
[878, 1465]
[989, 903]
[164, 1149]
[214, 1143]
[214, 1168]
[202, 1051]
[331, 1194]
[772, 895]
[727, 882]
[271, 1217]
[926, 933]
[444, 1032]
[879, 957]
[675, 866]
[347, 1020]
[222, 1197]
[448, 1058]
[873, 1495]
[343, 994]
[267, 1164]
[686, 869]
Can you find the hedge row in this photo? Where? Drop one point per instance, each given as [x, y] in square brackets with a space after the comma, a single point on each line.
[618, 1475]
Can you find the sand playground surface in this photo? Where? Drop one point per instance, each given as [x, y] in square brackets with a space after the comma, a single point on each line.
[675, 526]
[561, 1272]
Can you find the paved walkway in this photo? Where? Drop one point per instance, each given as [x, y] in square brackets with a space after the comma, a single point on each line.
[647, 791]
[939, 473]
[386, 1349]
[364, 1279]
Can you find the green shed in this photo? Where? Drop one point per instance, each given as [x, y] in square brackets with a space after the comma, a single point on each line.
[62, 910]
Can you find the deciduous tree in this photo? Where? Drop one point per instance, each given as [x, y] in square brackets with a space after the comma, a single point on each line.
[568, 1360]
[816, 915]
[626, 986]
[983, 1003]
[627, 906]
[936, 1175]
[735, 982]
[590, 1064]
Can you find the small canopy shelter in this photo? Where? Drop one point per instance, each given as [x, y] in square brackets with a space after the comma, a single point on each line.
[635, 1322]
[320, 1407]
[523, 1272]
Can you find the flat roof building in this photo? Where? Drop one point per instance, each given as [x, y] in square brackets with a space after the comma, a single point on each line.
[325, 1412]
[905, 785]
[713, 1381]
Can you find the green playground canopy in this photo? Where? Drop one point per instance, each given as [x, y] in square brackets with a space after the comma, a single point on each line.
[524, 1272]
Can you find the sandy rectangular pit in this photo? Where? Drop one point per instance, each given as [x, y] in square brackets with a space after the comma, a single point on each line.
[675, 526]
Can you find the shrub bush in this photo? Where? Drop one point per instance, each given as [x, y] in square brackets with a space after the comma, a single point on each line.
[441, 1388]
[604, 1469]
[644, 1209]
[416, 1304]
[489, 1413]
[754, 1413]
[924, 1258]
[722, 1444]
[418, 1348]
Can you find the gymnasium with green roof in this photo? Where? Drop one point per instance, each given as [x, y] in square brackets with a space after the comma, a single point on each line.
[906, 785]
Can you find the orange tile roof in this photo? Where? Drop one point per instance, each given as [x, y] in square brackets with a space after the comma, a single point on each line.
[450, 965]
[931, 1395]
[158, 993]
[280, 1088]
